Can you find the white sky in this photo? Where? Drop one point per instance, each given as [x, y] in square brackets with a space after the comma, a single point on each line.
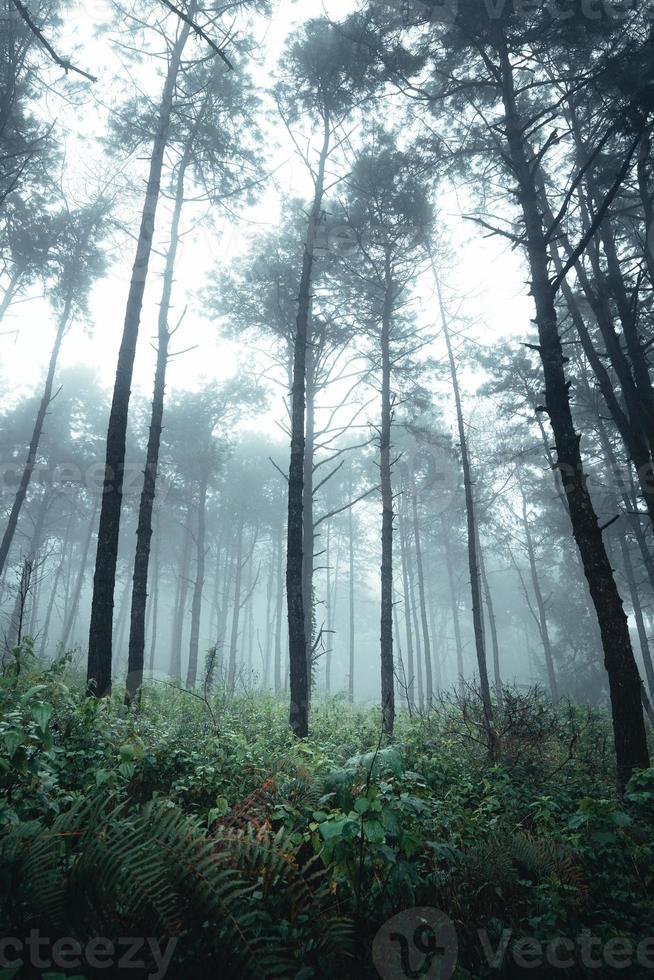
[484, 269]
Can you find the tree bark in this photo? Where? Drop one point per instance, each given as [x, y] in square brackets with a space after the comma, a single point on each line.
[624, 680]
[100, 632]
[297, 628]
[388, 516]
[148, 491]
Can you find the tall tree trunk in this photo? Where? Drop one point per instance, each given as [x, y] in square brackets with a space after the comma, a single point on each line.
[308, 530]
[449, 561]
[279, 605]
[148, 491]
[100, 632]
[32, 452]
[638, 613]
[297, 627]
[81, 572]
[328, 612]
[488, 595]
[198, 588]
[426, 645]
[180, 604]
[155, 598]
[540, 603]
[388, 516]
[267, 650]
[351, 638]
[236, 612]
[624, 679]
[473, 561]
[55, 584]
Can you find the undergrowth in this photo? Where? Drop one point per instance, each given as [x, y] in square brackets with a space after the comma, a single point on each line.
[262, 855]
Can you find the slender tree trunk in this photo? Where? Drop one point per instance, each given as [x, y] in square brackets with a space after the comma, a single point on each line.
[55, 585]
[100, 632]
[351, 638]
[180, 604]
[426, 645]
[638, 613]
[308, 530]
[148, 492]
[81, 572]
[279, 605]
[624, 679]
[473, 561]
[540, 603]
[269, 615]
[413, 608]
[121, 624]
[488, 595]
[388, 516]
[155, 598]
[328, 612]
[32, 452]
[196, 605]
[449, 561]
[297, 627]
[236, 613]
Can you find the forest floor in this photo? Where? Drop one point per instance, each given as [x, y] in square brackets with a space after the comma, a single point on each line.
[220, 845]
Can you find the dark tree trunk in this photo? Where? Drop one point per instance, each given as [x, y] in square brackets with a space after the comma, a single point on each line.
[32, 452]
[624, 679]
[388, 516]
[100, 632]
[198, 588]
[155, 599]
[148, 492]
[297, 627]
[308, 529]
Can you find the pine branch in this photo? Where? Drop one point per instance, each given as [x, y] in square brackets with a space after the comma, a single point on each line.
[43, 41]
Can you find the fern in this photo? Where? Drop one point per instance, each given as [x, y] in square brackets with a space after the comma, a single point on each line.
[100, 870]
[239, 901]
